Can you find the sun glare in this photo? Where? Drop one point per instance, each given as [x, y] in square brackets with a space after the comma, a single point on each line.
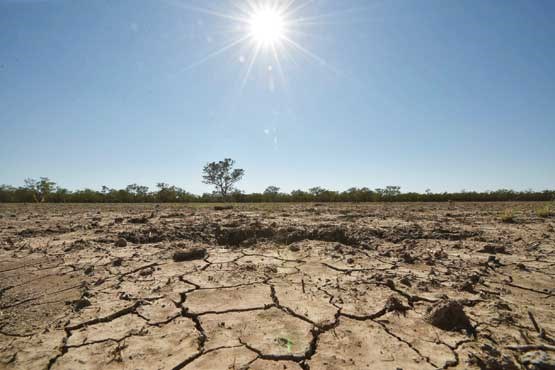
[267, 26]
[270, 31]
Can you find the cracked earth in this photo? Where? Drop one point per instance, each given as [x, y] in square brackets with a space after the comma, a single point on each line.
[273, 287]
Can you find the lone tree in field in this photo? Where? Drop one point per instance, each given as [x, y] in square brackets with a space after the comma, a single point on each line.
[40, 189]
[222, 175]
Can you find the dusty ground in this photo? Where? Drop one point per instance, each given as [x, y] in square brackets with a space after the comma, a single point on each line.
[416, 286]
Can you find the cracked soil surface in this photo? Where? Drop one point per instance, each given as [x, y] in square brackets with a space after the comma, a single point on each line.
[274, 287]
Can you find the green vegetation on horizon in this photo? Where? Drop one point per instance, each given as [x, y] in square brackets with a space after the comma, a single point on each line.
[45, 190]
[223, 176]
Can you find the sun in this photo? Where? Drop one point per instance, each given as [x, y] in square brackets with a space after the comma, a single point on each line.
[269, 32]
[267, 26]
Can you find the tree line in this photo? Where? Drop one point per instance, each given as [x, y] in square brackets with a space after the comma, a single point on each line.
[44, 190]
[223, 176]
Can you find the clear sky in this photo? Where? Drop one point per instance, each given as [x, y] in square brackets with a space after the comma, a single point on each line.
[439, 94]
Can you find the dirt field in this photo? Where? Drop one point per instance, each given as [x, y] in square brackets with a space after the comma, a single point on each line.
[272, 287]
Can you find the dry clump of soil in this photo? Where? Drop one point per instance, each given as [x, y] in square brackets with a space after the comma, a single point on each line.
[449, 315]
[264, 287]
[189, 254]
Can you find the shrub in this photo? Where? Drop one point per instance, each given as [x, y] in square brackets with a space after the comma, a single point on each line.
[507, 216]
[544, 211]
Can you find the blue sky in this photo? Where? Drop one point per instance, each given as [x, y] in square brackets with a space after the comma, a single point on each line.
[446, 95]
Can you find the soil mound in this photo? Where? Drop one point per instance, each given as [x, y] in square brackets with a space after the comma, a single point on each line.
[449, 315]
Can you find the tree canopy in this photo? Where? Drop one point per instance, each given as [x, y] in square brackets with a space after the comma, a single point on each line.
[222, 175]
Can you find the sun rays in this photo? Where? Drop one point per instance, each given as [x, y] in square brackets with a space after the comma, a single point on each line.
[269, 28]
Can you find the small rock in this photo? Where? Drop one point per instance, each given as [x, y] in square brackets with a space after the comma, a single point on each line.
[294, 248]
[449, 315]
[146, 272]
[493, 260]
[271, 269]
[89, 270]
[440, 254]
[405, 281]
[189, 254]
[121, 242]
[117, 261]
[79, 304]
[394, 304]
[474, 278]
[467, 286]
[248, 266]
[408, 258]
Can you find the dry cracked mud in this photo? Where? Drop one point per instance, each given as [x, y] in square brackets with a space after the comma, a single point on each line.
[273, 287]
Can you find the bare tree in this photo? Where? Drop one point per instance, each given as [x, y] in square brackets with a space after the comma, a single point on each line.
[222, 175]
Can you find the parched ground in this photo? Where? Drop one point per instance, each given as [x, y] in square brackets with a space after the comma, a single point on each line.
[274, 287]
